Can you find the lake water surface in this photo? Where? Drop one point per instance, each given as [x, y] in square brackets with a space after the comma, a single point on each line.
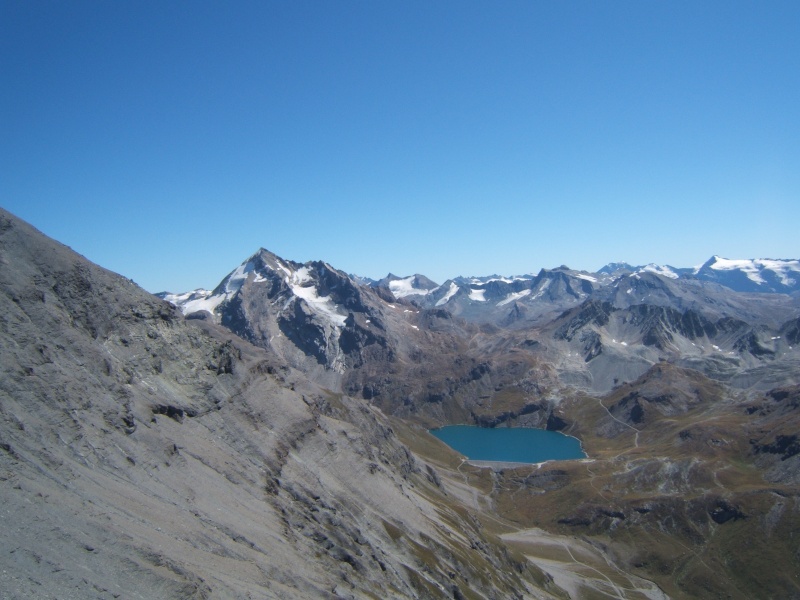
[509, 444]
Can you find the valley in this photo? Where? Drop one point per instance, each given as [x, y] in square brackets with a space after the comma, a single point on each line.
[656, 370]
[269, 438]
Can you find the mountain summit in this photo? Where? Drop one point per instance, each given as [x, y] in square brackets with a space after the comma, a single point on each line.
[348, 330]
[271, 442]
[144, 455]
[754, 275]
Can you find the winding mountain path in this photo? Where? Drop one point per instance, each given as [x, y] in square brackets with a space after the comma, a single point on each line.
[629, 426]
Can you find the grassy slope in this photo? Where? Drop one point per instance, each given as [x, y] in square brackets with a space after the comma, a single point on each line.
[672, 494]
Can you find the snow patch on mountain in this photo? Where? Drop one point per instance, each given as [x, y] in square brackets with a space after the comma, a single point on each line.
[405, 287]
[450, 293]
[301, 284]
[491, 278]
[200, 300]
[664, 271]
[299, 281]
[195, 301]
[512, 297]
[236, 279]
[299, 277]
[322, 305]
[542, 288]
[753, 268]
[478, 295]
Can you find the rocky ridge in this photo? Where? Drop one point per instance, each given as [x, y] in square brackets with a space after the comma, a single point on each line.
[672, 381]
[146, 455]
[414, 348]
[268, 443]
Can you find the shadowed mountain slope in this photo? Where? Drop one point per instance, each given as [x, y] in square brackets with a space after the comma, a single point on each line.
[243, 450]
[147, 456]
[498, 345]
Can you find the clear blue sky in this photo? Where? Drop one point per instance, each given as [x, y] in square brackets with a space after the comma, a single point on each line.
[169, 141]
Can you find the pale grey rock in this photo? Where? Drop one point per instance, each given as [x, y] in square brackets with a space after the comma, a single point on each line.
[147, 456]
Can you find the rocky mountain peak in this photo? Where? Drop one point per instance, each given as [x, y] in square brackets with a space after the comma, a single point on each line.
[618, 268]
[413, 285]
[752, 275]
[146, 455]
[125, 428]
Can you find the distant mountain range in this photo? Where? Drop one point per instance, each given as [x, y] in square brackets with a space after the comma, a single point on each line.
[271, 440]
[735, 320]
[747, 275]
[679, 377]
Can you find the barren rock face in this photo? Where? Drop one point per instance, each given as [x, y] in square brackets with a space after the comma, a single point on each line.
[268, 444]
[409, 346]
[147, 456]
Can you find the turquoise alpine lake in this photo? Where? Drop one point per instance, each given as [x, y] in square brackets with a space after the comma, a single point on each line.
[510, 444]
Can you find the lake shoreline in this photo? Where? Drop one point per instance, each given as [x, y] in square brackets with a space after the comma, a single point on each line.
[481, 446]
[499, 465]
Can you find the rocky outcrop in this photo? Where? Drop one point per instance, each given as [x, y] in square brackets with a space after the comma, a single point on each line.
[589, 313]
[144, 455]
[664, 390]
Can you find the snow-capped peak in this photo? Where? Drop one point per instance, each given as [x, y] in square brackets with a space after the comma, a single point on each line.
[451, 291]
[405, 287]
[194, 301]
[260, 268]
[664, 271]
[302, 285]
[760, 274]
[413, 285]
[234, 282]
[754, 267]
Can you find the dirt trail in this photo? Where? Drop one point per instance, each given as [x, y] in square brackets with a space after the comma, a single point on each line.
[579, 568]
[636, 437]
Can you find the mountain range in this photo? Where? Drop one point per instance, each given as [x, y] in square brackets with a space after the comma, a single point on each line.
[268, 438]
[593, 331]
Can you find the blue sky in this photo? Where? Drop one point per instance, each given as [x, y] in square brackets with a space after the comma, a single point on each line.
[169, 141]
